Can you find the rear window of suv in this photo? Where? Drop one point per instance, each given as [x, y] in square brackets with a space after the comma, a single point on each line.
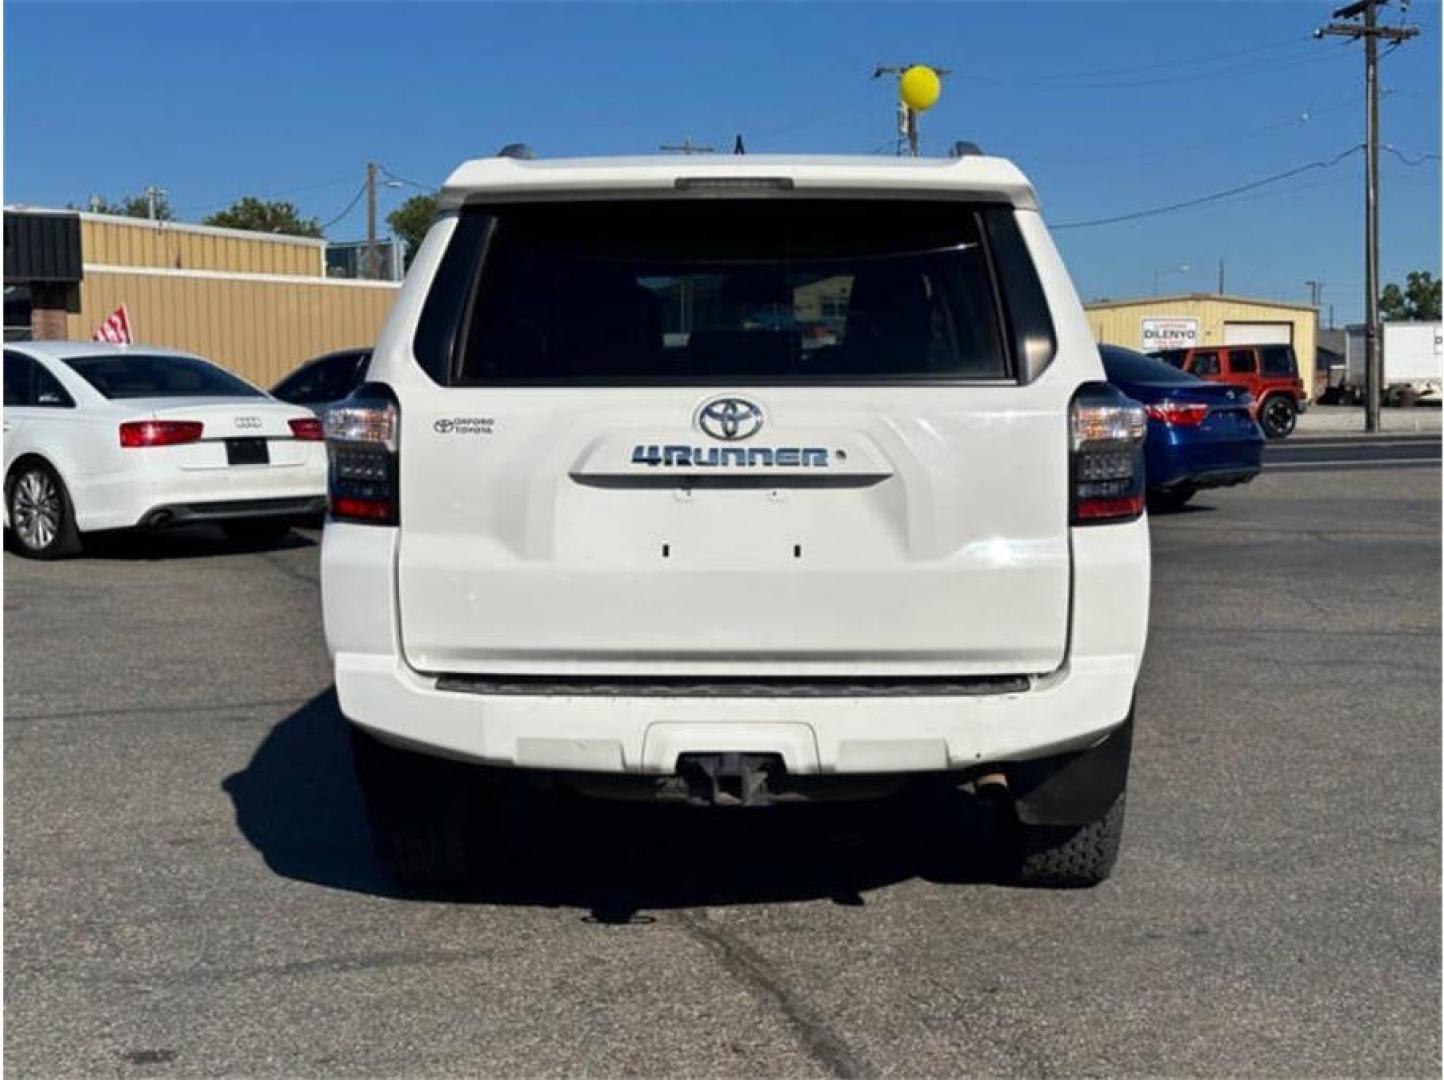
[721, 290]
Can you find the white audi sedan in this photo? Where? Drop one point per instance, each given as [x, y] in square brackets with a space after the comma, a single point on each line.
[115, 437]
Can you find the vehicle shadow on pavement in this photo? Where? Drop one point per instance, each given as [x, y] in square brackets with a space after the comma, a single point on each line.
[182, 542]
[297, 804]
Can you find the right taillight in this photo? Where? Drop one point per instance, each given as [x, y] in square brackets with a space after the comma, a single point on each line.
[1106, 433]
[363, 441]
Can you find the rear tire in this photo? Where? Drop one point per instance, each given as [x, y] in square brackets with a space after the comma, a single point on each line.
[1277, 416]
[256, 534]
[42, 517]
[1069, 857]
[430, 817]
[1170, 499]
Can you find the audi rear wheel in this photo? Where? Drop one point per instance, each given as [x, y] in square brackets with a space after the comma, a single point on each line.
[42, 520]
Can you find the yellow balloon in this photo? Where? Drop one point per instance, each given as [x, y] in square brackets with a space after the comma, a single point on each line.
[919, 87]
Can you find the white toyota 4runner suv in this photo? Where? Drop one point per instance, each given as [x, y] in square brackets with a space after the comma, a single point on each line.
[736, 480]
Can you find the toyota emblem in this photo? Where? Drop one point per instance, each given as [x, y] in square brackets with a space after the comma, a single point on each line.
[730, 418]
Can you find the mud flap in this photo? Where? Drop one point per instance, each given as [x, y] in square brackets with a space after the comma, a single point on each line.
[1074, 788]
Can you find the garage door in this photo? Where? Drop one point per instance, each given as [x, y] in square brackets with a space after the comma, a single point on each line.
[1258, 333]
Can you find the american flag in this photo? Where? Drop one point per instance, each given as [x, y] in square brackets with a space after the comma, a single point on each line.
[115, 329]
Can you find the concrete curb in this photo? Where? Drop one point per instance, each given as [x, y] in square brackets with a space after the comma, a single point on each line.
[1349, 420]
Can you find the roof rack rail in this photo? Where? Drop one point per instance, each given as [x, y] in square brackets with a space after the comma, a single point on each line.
[963, 148]
[516, 150]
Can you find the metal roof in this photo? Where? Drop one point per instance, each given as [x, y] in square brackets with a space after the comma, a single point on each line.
[1222, 298]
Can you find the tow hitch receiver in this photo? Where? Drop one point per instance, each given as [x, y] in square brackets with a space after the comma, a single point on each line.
[728, 779]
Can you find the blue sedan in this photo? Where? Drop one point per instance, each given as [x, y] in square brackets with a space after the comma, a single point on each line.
[1200, 434]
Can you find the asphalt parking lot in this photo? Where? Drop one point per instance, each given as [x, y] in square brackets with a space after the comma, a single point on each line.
[188, 889]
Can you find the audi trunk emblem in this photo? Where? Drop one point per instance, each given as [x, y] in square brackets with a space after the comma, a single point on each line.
[730, 418]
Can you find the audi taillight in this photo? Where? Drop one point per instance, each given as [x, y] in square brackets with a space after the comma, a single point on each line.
[1106, 443]
[1178, 413]
[363, 440]
[307, 429]
[138, 433]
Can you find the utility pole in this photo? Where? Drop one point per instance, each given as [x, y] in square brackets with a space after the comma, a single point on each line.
[907, 115]
[151, 194]
[687, 146]
[371, 268]
[1220, 277]
[1316, 294]
[1370, 30]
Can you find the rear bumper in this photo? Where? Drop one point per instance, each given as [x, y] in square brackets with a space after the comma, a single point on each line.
[1182, 460]
[136, 494]
[161, 517]
[1072, 708]
[1209, 478]
[642, 731]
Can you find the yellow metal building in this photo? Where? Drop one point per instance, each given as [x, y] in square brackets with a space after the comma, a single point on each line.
[1208, 319]
[258, 303]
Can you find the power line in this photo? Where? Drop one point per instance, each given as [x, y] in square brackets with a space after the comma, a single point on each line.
[1405, 157]
[1303, 118]
[810, 118]
[1165, 65]
[349, 207]
[1245, 70]
[1215, 196]
[272, 195]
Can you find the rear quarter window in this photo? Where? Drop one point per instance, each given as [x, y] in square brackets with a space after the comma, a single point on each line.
[726, 290]
[1279, 360]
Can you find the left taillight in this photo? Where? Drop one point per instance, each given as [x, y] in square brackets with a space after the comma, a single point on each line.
[139, 433]
[307, 429]
[363, 443]
[1106, 460]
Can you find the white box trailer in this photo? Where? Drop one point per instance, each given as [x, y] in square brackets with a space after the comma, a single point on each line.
[1413, 361]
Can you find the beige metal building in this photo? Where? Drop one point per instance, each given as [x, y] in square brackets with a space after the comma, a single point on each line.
[1162, 322]
[257, 303]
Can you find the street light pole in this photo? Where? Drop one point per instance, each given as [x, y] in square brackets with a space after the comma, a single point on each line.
[1169, 270]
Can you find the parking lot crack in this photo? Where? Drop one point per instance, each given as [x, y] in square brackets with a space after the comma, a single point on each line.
[760, 977]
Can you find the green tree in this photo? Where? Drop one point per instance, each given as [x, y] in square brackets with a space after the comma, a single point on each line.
[259, 215]
[410, 220]
[1416, 301]
[128, 206]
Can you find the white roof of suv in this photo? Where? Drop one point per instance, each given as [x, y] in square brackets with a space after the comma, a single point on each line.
[972, 177]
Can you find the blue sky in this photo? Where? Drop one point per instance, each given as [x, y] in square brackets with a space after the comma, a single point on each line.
[1110, 108]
